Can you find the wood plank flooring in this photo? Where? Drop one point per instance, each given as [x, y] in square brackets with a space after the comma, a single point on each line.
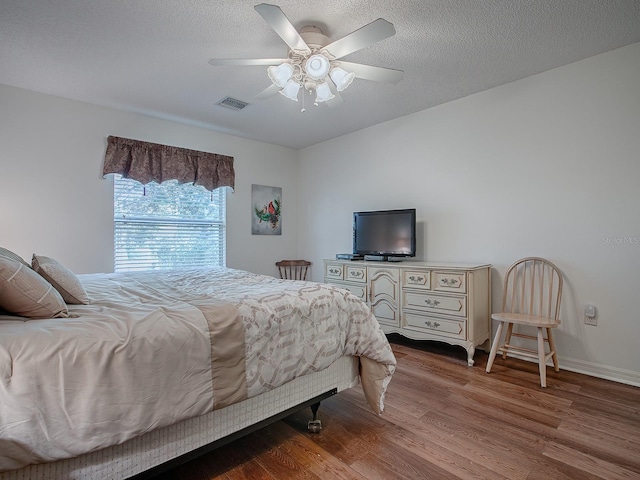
[444, 420]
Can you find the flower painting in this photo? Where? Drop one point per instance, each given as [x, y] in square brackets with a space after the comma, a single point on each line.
[266, 210]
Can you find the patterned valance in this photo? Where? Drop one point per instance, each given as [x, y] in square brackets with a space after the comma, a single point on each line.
[147, 162]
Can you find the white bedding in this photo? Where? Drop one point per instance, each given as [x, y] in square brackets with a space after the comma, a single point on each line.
[140, 356]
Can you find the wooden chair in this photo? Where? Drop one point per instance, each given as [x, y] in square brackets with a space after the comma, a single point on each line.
[293, 269]
[531, 298]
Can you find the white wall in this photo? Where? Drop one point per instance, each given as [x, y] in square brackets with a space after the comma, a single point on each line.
[546, 166]
[54, 201]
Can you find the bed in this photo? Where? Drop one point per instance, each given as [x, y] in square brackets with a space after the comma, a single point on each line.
[153, 367]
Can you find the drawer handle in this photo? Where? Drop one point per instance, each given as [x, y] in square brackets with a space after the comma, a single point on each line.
[435, 303]
[334, 271]
[449, 282]
[434, 324]
[357, 274]
[416, 279]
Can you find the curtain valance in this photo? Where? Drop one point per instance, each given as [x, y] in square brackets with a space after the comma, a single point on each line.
[147, 162]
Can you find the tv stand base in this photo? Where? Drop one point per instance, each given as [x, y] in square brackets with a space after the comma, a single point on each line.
[382, 258]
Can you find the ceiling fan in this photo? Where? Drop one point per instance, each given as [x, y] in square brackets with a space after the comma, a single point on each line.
[313, 63]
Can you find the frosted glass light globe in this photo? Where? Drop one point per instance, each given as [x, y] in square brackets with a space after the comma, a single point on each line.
[317, 66]
[281, 74]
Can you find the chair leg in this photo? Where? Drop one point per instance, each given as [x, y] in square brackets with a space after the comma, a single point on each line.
[494, 347]
[552, 346]
[541, 361]
[507, 339]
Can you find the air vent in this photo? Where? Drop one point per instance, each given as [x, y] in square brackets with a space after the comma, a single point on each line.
[232, 103]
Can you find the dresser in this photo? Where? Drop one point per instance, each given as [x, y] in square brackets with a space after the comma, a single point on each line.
[422, 300]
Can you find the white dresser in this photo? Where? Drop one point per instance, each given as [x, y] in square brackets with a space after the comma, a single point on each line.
[424, 301]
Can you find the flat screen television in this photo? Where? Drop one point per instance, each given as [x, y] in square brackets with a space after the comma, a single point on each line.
[388, 234]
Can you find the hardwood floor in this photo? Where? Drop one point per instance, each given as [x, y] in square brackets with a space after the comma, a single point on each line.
[444, 420]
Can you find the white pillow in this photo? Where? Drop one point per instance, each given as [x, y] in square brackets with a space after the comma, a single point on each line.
[62, 279]
[25, 293]
[12, 256]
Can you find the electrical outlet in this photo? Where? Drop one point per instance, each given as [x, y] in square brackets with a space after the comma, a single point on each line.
[591, 321]
[590, 317]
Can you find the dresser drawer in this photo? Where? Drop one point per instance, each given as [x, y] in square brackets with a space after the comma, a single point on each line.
[432, 302]
[416, 279]
[334, 271]
[432, 324]
[359, 291]
[355, 273]
[449, 281]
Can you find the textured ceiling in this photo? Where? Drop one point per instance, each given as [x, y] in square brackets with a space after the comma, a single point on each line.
[151, 56]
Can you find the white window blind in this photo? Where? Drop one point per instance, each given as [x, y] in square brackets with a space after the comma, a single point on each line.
[168, 225]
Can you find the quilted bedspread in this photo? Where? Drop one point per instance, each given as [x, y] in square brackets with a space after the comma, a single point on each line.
[153, 349]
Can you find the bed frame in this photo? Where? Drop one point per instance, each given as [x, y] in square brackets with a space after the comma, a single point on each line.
[314, 403]
[167, 447]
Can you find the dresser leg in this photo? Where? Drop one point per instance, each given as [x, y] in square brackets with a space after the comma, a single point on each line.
[470, 351]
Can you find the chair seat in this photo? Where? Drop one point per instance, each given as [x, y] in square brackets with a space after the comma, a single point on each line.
[522, 319]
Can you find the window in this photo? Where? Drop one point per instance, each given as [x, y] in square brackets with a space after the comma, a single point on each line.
[168, 225]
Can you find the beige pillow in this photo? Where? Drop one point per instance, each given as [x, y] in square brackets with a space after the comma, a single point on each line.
[13, 256]
[62, 279]
[25, 293]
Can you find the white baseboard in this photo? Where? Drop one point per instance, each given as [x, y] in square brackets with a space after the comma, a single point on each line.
[620, 375]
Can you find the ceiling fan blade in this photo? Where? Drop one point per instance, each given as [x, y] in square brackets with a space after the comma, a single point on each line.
[376, 74]
[245, 61]
[363, 37]
[267, 92]
[282, 26]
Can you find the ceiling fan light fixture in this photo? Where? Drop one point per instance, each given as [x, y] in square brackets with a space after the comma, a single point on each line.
[313, 60]
[281, 74]
[341, 78]
[323, 93]
[291, 90]
[317, 66]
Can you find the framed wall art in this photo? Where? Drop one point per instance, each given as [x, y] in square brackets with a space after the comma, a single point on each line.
[266, 210]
